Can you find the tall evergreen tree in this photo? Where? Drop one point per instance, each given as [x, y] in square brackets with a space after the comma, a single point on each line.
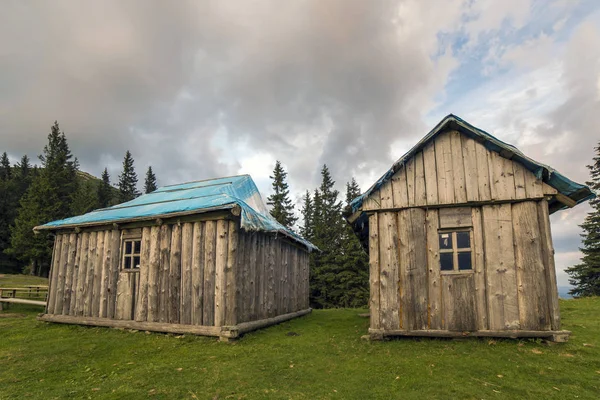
[585, 276]
[49, 198]
[354, 277]
[306, 230]
[5, 170]
[328, 230]
[282, 208]
[128, 180]
[150, 183]
[105, 190]
[86, 197]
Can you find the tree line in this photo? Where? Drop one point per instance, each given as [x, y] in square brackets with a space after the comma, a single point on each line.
[57, 189]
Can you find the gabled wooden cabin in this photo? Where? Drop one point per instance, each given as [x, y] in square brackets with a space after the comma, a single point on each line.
[202, 257]
[458, 236]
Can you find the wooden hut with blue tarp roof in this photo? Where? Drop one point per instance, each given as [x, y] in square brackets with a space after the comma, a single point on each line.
[459, 242]
[203, 257]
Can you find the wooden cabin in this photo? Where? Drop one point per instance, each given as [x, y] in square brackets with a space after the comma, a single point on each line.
[459, 242]
[202, 257]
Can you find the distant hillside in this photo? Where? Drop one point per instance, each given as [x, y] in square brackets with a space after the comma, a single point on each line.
[563, 292]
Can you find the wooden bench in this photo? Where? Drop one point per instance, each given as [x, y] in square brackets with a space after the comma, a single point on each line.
[9, 295]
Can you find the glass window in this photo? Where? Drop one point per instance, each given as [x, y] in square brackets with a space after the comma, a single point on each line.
[445, 241]
[446, 262]
[455, 251]
[463, 240]
[464, 261]
[131, 253]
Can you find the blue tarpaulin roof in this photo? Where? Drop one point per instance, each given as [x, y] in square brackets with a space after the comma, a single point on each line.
[201, 196]
[575, 191]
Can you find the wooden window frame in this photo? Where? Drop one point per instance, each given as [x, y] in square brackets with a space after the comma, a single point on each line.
[455, 251]
[130, 239]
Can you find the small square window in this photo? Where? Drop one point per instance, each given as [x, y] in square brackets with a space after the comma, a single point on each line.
[455, 251]
[131, 254]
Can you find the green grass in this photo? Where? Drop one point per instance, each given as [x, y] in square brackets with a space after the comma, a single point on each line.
[14, 280]
[326, 360]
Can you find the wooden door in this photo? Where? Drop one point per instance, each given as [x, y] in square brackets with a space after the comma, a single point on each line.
[458, 302]
[127, 291]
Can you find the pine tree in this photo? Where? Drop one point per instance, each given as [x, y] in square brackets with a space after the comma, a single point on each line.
[585, 276]
[282, 208]
[128, 180]
[150, 184]
[328, 227]
[306, 230]
[105, 194]
[354, 277]
[86, 198]
[49, 198]
[5, 170]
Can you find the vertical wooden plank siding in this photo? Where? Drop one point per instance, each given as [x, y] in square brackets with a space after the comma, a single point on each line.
[531, 277]
[82, 274]
[251, 296]
[420, 192]
[74, 292]
[549, 267]
[271, 265]
[62, 270]
[431, 182]
[97, 274]
[458, 169]
[231, 309]
[374, 272]
[434, 292]
[480, 270]
[443, 158]
[222, 239]
[88, 289]
[410, 181]
[115, 264]
[198, 273]
[187, 243]
[153, 273]
[387, 196]
[241, 275]
[165, 263]
[388, 239]
[174, 296]
[533, 185]
[141, 309]
[469, 160]
[105, 275]
[413, 264]
[285, 255]
[55, 270]
[260, 282]
[483, 172]
[208, 314]
[519, 171]
[459, 303]
[503, 310]
[399, 188]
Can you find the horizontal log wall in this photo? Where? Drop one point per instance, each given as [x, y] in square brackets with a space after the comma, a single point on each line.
[512, 285]
[205, 273]
[455, 169]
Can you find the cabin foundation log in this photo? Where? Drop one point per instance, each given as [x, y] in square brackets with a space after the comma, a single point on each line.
[555, 336]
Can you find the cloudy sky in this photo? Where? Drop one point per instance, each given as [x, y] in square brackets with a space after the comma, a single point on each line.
[210, 88]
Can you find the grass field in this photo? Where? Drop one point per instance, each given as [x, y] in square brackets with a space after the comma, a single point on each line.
[320, 356]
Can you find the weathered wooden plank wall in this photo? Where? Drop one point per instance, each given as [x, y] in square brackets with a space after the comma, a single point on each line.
[455, 169]
[201, 273]
[512, 284]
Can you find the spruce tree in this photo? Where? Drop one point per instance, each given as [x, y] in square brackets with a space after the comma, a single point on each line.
[328, 226]
[282, 208]
[49, 198]
[585, 276]
[128, 180]
[150, 183]
[5, 170]
[86, 198]
[104, 190]
[306, 230]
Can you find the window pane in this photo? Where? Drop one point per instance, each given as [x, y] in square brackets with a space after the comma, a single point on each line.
[137, 247]
[127, 247]
[446, 262]
[463, 240]
[464, 261]
[127, 263]
[445, 240]
[136, 262]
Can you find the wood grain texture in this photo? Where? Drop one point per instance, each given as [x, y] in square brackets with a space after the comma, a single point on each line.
[82, 274]
[455, 217]
[231, 305]
[222, 239]
[105, 275]
[388, 254]
[115, 264]
[413, 261]
[187, 242]
[445, 176]
[469, 160]
[62, 272]
[410, 181]
[174, 297]
[210, 242]
[386, 199]
[429, 164]
[74, 292]
[141, 310]
[95, 300]
[153, 274]
[374, 272]
[88, 289]
[400, 188]
[480, 270]
[198, 273]
[459, 303]
[529, 259]
[458, 168]
[163, 276]
[434, 293]
[549, 266]
[53, 287]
